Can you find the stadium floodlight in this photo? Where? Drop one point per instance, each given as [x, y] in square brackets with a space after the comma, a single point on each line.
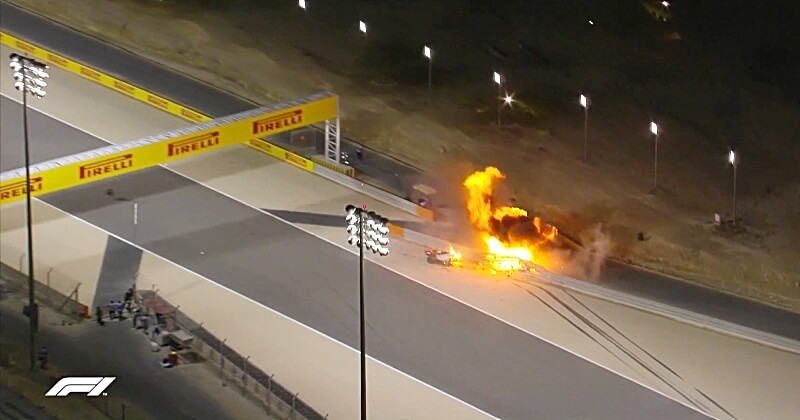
[29, 78]
[366, 230]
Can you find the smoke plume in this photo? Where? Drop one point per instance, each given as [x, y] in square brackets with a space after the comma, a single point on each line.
[587, 263]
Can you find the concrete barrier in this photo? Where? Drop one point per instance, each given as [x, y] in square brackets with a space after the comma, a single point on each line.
[374, 192]
[68, 252]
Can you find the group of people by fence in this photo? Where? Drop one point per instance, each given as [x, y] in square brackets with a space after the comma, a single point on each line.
[117, 308]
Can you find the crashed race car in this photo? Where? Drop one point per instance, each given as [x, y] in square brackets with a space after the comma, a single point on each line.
[495, 264]
[448, 258]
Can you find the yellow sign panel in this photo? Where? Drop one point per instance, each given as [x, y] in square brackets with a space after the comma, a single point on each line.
[178, 147]
[103, 79]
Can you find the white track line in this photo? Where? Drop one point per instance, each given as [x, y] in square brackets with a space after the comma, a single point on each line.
[350, 249]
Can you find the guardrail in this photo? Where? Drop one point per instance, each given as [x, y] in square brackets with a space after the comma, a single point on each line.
[374, 192]
[235, 369]
[348, 171]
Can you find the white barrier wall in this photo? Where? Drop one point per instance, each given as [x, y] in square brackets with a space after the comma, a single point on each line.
[325, 372]
[67, 250]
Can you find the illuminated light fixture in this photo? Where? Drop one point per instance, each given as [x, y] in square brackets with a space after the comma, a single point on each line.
[29, 78]
[362, 27]
[655, 132]
[733, 159]
[365, 230]
[302, 4]
[498, 79]
[586, 102]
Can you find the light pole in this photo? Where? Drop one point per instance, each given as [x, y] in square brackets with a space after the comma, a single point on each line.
[135, 220]
[498, 79]
[734, 161]
[654, 131]
[428, 53]
[29, 76]
[361, 223]
[586, 102]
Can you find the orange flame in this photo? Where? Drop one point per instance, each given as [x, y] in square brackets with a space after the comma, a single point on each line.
[494, 223]
[455, 257]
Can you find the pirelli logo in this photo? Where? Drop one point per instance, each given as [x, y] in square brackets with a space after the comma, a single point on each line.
[155, 100]
[123, 87]
[297, 160]
[261, 145]
[57, 60]
[18, 189]
[106, 166]
[85, 71]
[24, 46]
[193, 144]
[191, 115]
[277, 122]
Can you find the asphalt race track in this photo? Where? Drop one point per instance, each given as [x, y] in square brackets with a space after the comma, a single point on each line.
[421, 332]
[43, 148]
[204, 98]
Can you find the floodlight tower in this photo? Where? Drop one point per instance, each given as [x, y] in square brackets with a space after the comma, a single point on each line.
[29, 78]
[363, 224]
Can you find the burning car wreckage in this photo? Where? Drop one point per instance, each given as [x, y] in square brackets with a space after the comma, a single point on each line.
[512, 240]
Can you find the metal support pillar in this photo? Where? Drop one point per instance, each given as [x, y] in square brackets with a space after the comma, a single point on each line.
[333, 147]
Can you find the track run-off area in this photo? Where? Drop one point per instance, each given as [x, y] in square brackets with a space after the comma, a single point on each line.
[262, 243]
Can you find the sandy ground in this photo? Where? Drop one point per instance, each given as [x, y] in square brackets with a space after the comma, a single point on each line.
[68, 255]
[290, 54]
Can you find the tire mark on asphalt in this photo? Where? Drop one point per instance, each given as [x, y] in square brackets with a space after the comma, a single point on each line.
[604, 321]
[657, 360]
[618, 345]
[576, 326]
[716, 404]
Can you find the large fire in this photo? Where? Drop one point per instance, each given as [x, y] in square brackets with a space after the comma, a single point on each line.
[510, 235]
